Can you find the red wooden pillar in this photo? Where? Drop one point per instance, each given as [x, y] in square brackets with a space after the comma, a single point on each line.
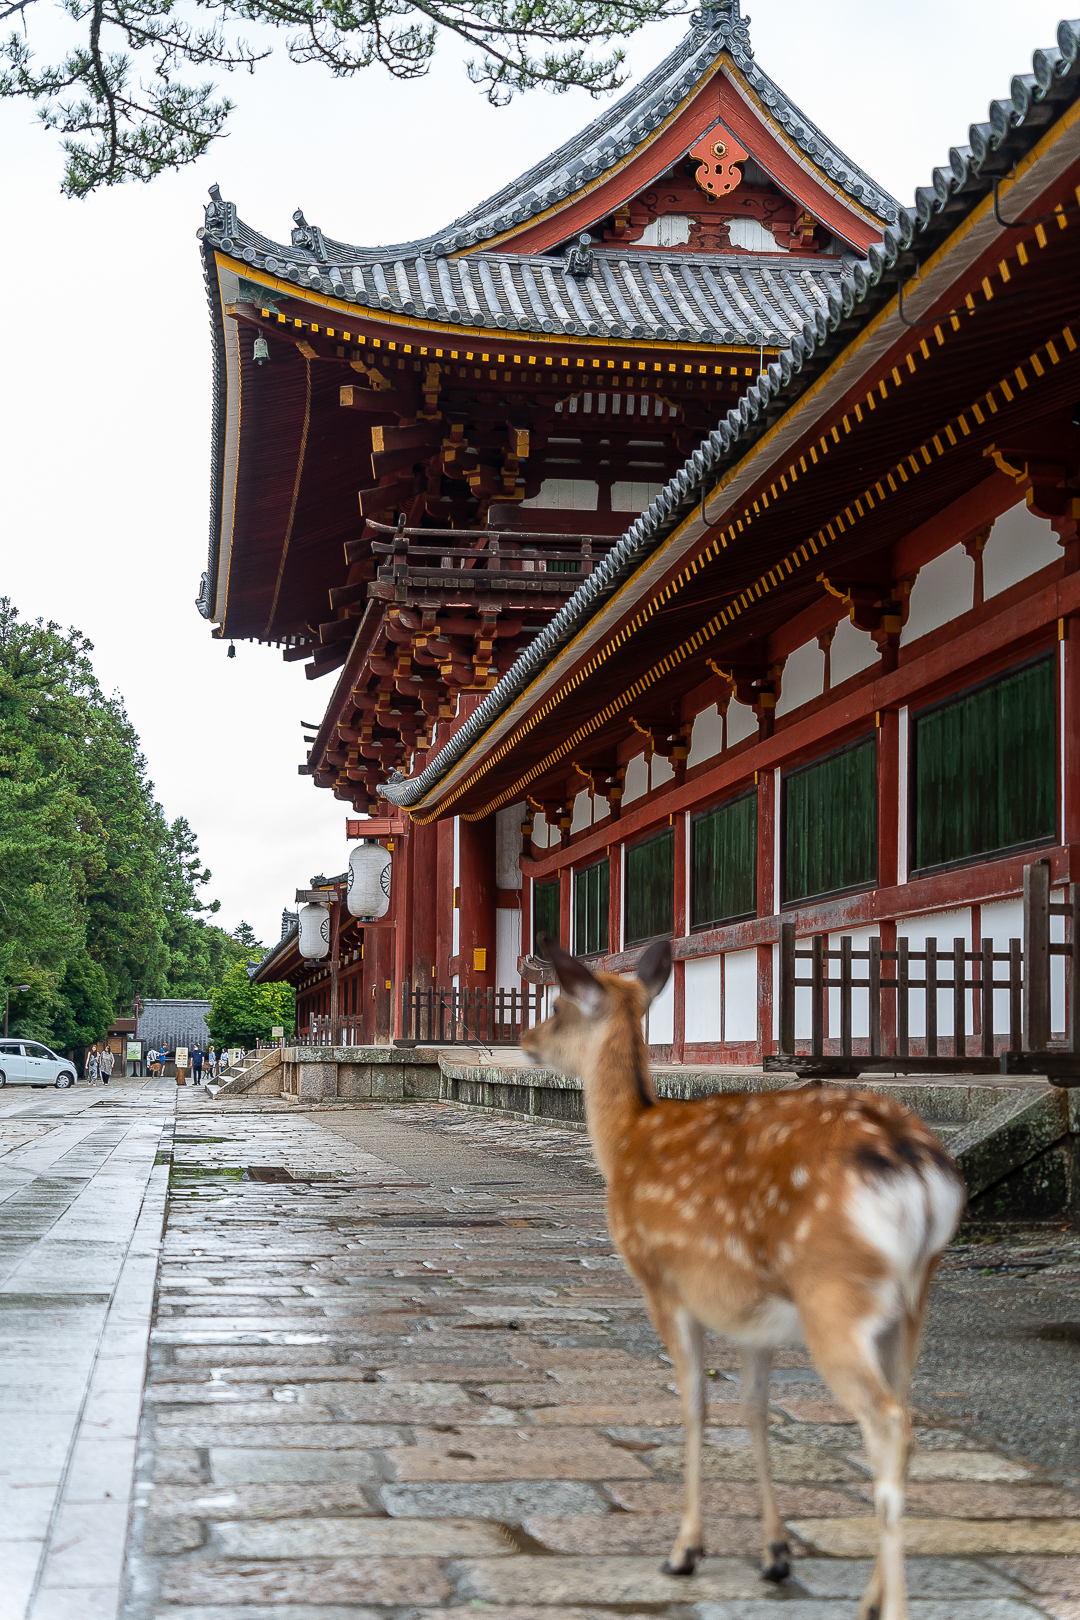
[1070, 724]
[403, 911]
[476, 902]
[423, 902]
[615, 897]
[566, 903]
[679, 966]
[888, 852]
[337, 905]
[767, 813]
[444, 900]
[379, 982]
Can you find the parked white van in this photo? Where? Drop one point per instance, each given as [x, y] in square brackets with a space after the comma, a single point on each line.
[28, 1063]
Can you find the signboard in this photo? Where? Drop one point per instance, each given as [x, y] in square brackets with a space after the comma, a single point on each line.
[181, 1057]
[134, 1051]
[235, 1053]
[277, 1032]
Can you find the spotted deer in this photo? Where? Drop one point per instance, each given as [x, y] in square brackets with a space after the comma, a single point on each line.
[807, 1216]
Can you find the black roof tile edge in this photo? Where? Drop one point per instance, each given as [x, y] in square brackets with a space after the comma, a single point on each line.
[1014, 126]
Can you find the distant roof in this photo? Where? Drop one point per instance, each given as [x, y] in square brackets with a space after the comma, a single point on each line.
[628, 124]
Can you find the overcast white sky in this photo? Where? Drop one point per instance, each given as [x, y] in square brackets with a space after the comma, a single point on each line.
[105, 392]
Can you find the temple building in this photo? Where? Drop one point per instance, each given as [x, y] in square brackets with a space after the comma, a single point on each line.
[691, 534]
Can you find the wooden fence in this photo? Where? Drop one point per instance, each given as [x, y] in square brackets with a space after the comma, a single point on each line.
[436, 1016]
[892, 980]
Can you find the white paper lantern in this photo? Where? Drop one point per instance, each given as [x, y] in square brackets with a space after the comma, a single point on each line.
[314, 931]
[369, 881]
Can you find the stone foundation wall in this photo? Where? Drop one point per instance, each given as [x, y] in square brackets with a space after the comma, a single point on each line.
[381, 1073]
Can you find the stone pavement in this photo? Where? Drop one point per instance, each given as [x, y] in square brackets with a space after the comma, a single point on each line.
[81, 1213]
[396, 1367]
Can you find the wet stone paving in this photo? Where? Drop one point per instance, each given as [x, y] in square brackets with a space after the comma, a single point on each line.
[396, 1367]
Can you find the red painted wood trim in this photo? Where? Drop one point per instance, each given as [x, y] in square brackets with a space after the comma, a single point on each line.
[508, 899]
[717, 97]
[774, 156]
[1070, 832]
[854, 709]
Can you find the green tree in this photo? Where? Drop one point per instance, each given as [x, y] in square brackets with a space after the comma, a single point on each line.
[99, 894]
[241, 1012]
[117, 101]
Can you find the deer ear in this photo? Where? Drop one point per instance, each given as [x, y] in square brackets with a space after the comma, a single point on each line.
[575, 979]
[654, 969]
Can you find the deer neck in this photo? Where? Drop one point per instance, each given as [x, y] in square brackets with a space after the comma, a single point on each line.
[617, 1088]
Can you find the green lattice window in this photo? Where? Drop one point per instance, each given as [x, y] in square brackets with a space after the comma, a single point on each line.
[723, 863]
[830, 824]
[545, 913]
[983, 769]
[591, 909]
[650, 889]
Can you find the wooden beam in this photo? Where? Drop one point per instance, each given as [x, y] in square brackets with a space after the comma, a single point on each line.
[384, 496]
[384, 462]
[366, 399]
[407, 436]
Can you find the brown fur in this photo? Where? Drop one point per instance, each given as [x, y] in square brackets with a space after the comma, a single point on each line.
[733, 1214]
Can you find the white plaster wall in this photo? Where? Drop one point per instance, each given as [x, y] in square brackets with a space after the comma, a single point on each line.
[541, 831]
[508, 846]
[507, 948]
[662, 770]
[702, 993]
[740, 995]
[942, 592]
[804, 677]
[582, 811]
[707, 737]
[1020, 544]
[1002, 920]
[851, 651]
[633, 497]
[741, 723]
[860, 999]
[566, 495]
[944, 926]
[660, 1018]
[636, 784]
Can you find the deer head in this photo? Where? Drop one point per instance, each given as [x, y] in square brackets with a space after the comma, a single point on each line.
[598, 1015]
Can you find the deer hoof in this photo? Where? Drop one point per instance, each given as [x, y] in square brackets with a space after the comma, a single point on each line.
[778, 1568]
[686, 1563]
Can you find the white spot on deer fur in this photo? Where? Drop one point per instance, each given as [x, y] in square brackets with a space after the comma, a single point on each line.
[821, 1201]
[772, 1195]
[826, 1116]
[800, 1176]
[785, 1254]
[735, 1251]
[802, 1230]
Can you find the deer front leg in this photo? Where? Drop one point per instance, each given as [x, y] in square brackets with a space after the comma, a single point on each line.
[756, 1368]
[683, 1335]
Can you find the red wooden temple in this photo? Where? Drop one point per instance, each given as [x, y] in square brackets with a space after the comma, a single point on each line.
[691, 533]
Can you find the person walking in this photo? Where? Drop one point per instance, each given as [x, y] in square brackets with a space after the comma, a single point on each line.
[211, 1062]
[196, 1057]
[106, 1065]
[92, 1067]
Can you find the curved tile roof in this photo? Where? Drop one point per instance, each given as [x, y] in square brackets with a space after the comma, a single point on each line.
[615, 134]
[686, 298]
[1013, 126]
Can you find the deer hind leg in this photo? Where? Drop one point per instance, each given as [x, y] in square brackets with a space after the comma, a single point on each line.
[756, 1368]
[845, 1348]
[684, 1337]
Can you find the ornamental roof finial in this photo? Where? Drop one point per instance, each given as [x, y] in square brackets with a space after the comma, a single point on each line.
[724, 17]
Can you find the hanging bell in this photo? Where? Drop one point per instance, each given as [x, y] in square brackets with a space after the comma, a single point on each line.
[262, 350]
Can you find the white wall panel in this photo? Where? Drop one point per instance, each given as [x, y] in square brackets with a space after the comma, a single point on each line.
[660, 1019]
[636, 784]
[508, 846]
[1020, 544]
[851, 651]
[582, 811]
[702, 993]
[707, 738]
[804, 677]
[740, 995]
[944, 926]
[942, 592]
[741, 722]
[507, 948]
